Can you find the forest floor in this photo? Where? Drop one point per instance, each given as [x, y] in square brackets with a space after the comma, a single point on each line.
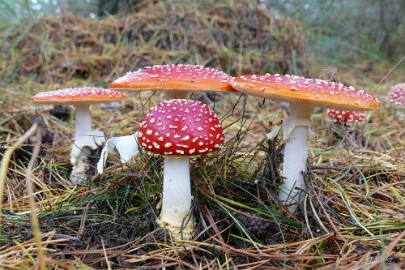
[352, 216]
[353, 213]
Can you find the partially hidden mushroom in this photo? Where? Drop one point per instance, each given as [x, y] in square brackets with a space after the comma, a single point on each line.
[176, 81]
[346, 117]
[345, 125]
[85, 138]
[303, 95]
[396, 97]
[179, 129]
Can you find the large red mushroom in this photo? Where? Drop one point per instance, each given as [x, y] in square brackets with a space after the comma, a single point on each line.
[175, 80]
[179, 129]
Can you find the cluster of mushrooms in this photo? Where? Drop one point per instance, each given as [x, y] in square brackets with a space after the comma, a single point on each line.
[181, 128]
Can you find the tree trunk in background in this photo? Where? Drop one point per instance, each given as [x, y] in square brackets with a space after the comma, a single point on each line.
[106, 7]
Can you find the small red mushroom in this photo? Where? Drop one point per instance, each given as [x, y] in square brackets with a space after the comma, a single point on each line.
[347, 117]
[396, 95]
[347, 128]
[179, 129]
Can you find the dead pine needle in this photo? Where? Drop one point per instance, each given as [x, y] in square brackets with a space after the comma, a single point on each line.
[31, 201]
[105, 255]
[6, 160]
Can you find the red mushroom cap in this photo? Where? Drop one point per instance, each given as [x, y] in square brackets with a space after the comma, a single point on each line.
[175, 77]
[350, 117]
[181, 127]
[78, 95]
[396, 95]
[303, 91]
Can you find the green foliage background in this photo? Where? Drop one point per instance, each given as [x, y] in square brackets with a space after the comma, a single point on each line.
[372, 29]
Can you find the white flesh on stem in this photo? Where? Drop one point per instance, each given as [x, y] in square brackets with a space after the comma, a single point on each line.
[84, 137]
[92, 140]
[175, 214]
[174, 94]
[81, 149]
[78, 175]
[296, 134]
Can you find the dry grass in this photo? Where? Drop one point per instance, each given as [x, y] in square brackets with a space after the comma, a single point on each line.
[353, 216]
[58, 50]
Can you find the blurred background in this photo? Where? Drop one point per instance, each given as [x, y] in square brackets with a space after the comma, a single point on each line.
[55, 41]
[371, 27]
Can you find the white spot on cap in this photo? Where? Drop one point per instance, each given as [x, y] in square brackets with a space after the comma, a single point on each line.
[156, 145]
[167, 145]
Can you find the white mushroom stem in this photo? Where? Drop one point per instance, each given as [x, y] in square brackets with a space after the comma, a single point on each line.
[126, 146]
[83, 119]
[176, 94]
[296, 133]
[176, 197]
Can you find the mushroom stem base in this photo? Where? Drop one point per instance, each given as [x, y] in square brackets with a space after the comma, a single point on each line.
[78, 175]
[178, 232]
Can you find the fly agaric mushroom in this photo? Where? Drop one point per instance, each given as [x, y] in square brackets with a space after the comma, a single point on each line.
[179, 129]
[396, 96]
[175, 80]
[303, 95]
[349, 117]
[85, 138]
